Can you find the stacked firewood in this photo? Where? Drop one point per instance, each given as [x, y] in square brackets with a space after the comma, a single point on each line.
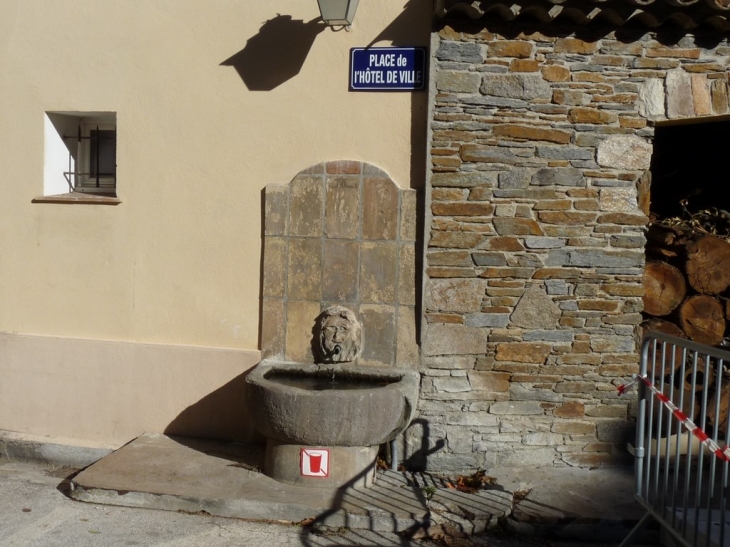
[687, 289]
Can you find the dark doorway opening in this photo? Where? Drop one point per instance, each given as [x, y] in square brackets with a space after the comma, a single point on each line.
[690, 169]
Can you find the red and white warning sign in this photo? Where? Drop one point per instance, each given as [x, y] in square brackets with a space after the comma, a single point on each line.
[314, 462]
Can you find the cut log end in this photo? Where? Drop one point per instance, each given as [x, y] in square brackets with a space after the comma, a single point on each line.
[702, 319]
[664, 288]
[708, 264]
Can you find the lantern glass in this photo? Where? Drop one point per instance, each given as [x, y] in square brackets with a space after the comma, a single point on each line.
[337, 12]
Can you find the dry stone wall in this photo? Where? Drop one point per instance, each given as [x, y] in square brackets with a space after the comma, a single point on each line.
[540, 147]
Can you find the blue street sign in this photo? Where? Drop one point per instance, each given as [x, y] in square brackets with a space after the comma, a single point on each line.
[387, 69]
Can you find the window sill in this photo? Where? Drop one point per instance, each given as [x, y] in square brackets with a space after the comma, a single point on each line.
[80, 198]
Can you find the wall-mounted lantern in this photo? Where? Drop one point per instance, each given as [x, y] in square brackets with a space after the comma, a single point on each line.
[338, 12]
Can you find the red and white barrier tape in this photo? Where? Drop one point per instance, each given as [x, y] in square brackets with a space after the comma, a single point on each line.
[723, 454]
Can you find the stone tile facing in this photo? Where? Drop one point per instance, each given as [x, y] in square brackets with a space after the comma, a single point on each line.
[305, 206]
[340, 233]
[535, 241]
[380, 209]
[342, 212]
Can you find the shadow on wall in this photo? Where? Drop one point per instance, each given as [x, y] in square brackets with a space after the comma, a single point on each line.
[419, 445]
[276, 54]
[221, 415]
[412, 28]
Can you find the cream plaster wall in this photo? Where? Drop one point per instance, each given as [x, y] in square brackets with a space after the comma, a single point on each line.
[178, 261]
[107, 393]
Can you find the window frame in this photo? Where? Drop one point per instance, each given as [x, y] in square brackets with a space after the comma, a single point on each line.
[84, 180]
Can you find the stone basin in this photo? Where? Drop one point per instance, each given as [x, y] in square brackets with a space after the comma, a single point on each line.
[346, 415]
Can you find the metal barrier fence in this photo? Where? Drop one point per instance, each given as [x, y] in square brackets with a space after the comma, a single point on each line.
[682, 461]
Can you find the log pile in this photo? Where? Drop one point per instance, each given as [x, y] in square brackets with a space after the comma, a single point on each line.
[687, 288]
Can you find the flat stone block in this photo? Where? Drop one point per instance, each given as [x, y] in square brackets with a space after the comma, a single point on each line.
[462, 209]
[462, 52]
[487, 154]
[544, 242]
[275, 266]
[407, 275]
[613, 344]
[679, 94]
[517, 226]
[496, 320]
[536, 310]
[460, 258]
[458, 82]
[378, 324]
[548, 336]
[518, 408]
[451, 384]
[622, 200]
[305, 269]
[516, 86]
[701, 95]
[454, 295]
[571, 97]
[597, 258]
[192, 475]
[462, 180]
[299, 326]
[528, 392]
[378, 272]
[575, 45]
[342, 213]
[571, 409]
[556, 73]
[591, 115]
[448, 339]
[515, 178]
[343, 167]
[624, 152]
[339, 275]
[380, 209]
[407, 346]
[523, 352]
[455, 239]
[719, 95]
[408, 222]
[273, 328]
[564, 153]
[276, 209]
[510, 48]
[524, 65]
[542, 439]
[489, 381]
[305, 206]
[558, 177]
[651, 99]
[489, 258]
[574, 427]
[567, 218]
[532, 133]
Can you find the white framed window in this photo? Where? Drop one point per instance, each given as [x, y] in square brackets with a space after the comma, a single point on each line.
[80, 153]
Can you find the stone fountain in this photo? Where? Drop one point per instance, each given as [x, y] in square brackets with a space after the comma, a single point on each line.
[324, 422]
[338, 338]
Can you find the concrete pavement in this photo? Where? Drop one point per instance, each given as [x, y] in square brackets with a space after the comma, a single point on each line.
[527, 507]
[34, 511]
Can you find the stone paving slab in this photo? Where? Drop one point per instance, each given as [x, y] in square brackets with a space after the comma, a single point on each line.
[159, 472]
